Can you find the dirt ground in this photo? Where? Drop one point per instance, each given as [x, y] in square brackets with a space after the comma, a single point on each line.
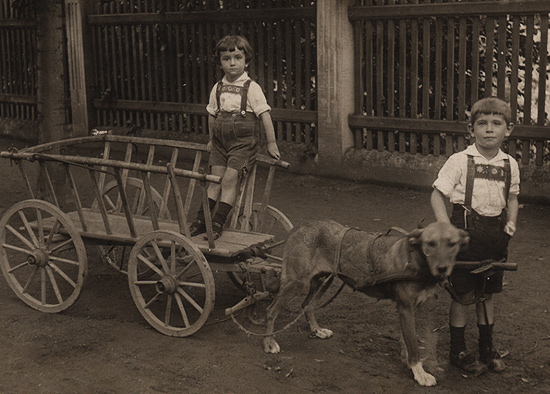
[101, 344]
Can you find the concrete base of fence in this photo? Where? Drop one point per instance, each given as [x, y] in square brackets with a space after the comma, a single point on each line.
[403, 169]
[24, 130]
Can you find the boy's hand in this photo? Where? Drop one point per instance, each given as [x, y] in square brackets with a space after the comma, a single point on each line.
[273, 150]
[510, 228]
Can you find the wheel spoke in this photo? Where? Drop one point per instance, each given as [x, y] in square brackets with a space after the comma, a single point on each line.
[23, 264]
[53, 232]
[160, 256]
[192, 284]
[168, 312]
[185, 269]
[43, 286]
[62, 274]
[29, 280]
[190, 299]
[145, 282]
[40, 223]
[146, 306]
[62, 260]
[16, 248]
[182, 310]
[20, 236]
[110, 202]
[28, 228]
[62, 244]
[150, 265]
[173, 257]
[54, 285]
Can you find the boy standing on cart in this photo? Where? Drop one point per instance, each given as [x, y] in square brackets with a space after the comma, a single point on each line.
[236, 103]
[482, 183]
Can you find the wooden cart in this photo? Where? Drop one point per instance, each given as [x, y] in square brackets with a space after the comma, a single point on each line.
[127, 198]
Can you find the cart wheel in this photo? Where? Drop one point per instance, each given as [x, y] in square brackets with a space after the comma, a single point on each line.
[179, 296]
[42, 255]
[117, 255]
[275, 223]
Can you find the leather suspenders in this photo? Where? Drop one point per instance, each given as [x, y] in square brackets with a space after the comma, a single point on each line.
[244, 96]
[474, 169]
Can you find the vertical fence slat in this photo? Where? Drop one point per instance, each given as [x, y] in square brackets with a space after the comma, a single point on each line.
[543, 73]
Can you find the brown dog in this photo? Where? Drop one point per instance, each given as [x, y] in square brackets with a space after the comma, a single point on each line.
[404, 268]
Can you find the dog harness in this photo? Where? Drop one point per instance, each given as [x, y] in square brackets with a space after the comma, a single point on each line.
[242, 90]
[485, 171]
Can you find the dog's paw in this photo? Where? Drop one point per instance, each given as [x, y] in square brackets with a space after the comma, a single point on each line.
[422, 377]
[323, 333]
[271, 346]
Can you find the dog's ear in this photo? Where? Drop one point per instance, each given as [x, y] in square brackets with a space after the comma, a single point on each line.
[414, 236]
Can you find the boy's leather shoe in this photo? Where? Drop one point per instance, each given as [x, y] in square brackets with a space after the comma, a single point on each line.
[493, 360]
[468, 363]
[217, 230]
[197, 227]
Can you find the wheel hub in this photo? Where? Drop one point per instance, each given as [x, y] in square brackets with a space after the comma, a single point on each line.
[167, 284]
[38, 257]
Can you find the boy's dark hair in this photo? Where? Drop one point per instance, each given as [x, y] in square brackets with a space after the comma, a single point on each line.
[230, 43]
[491, 106]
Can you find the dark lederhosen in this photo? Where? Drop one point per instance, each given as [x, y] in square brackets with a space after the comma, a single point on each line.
[488, 241]
[235, 134]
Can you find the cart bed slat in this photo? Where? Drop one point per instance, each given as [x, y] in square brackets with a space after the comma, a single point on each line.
[230, 244]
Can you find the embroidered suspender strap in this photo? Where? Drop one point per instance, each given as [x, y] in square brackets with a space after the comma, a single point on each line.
[244, 97]
[507, 180]
[470, 175]
[218, 94]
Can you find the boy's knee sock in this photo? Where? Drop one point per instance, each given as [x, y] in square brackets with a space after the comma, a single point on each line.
[485, 337]
[200, 212]
[221, 214]
[458, 342]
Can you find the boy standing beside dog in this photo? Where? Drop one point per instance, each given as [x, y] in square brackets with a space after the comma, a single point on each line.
[236, 102]
[482, 183]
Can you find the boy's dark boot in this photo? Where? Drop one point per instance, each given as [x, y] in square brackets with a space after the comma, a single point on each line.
[487, 353]
[459, 357]
[220, 218]
[199, 226]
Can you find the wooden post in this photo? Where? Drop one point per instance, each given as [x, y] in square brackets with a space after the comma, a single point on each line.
[51, 89]
[335, 82]
[78, 54]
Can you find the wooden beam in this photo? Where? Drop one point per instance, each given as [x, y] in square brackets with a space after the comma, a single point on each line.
[410, 11]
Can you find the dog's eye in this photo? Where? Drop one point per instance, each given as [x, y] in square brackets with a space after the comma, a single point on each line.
[452, 244]
[432, 244]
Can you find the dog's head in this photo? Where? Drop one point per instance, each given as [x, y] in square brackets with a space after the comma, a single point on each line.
[440, 243]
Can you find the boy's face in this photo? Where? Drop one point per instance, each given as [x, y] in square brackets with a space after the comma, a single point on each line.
[233, 63]
[490, 131]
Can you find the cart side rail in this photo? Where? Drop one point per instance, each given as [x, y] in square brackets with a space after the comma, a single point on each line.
[109, 155]
[122, 202]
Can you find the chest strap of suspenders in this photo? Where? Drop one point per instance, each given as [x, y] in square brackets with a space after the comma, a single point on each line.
[470, 176]
[244, 96]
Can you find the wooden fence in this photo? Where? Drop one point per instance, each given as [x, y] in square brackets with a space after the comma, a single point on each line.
[17, 62]
[420, 65]
[154, 62]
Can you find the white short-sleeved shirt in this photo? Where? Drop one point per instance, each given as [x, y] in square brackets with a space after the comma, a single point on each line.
[230, 99]
[488, 195]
